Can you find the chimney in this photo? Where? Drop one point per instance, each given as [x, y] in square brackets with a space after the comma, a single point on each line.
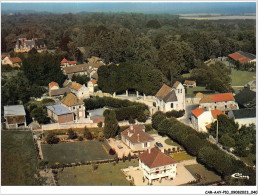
[131, 127]
[149, 150]
[162, 150]
[143, 129]
[138, 137]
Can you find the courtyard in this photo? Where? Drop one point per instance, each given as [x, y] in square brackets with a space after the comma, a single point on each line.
[76, 152]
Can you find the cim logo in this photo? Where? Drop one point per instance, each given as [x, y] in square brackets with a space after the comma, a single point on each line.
[239, 176]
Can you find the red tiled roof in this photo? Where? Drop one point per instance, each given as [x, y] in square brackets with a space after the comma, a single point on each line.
[52, 84]
[155, 158]
[176, 84]
[72, 62]
[3, 56]
[94, 81]
[76, 86]
[16, 60]
[215, 113]
[64, 61]
[238, 57]
[221, 97]
[135, 131]
[189, 82]
[197, 112]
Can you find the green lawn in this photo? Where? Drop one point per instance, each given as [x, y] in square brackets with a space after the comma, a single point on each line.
[249, 159]
[180, 156]
[105, 175]
[19, 160]
[171, 143]
[190, 92]
[206, 175]
[75, 152]
[240, 78]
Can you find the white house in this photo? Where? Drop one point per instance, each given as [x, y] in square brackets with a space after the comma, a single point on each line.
[168, 98]
[190, 84]
[53, 86]
[91, 85]
[201, 119]
[15, 116]
[223, 101]
[156, 165]
[136, 138]
[81, 91]
[245, 116]
[75, 105]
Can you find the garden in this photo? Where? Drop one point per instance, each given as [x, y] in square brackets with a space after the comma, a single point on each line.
[19, 159]
[240, 78]
[108, 174]
[76, 152]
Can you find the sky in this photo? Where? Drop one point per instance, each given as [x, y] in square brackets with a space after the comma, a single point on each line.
[143, 7]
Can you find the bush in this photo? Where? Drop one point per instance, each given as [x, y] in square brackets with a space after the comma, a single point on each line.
[148, 128]
[72, 134]
[112, 151]
[174, 113]
[95, 167]
[52, 139]
[100, 124]
[80, 138]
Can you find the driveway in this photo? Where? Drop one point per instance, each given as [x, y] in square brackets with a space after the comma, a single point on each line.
[159, 138]
[183, 177]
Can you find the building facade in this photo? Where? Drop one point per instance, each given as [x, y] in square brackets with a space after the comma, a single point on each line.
[157, 165]
[23, 45]
[15, 116]
[168, 98]
[59, 113]
[245, 116]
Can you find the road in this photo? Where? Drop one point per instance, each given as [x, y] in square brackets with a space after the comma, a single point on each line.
[188, 109]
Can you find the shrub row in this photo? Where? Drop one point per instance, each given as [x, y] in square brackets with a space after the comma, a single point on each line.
[124, 109]
[176, 114]
[207, 153]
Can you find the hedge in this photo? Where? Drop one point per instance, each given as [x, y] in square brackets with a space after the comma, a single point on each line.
[209, 154]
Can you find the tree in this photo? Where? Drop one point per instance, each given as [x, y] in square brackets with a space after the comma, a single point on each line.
[100, 124]
[52, 139]
[33, 51]
[157, 118]
[111, 125]
[72, 134]
[87, 134]
[40, 115]
[129, 157]
[82, 79]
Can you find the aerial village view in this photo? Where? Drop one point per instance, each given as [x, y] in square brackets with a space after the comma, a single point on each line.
[128, 94]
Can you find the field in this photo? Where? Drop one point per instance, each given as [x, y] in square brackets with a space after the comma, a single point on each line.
[181, 156]
[75, 152]
[240, 78]
[205, 175]
[19, 160]
[105, 175]
[190, 92]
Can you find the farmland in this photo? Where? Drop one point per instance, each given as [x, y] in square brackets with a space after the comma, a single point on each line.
[75, 152]
[19, 160]
[104, 175]
[240, 78]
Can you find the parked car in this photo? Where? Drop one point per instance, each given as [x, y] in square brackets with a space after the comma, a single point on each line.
[159, 144]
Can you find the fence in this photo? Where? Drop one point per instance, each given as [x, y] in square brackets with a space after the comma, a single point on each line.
[68, 125]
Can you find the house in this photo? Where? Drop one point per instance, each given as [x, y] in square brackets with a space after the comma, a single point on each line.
[59, 113]
[190, 84]
[13, 62]
[201, 118]
[66, 63]
[81, 69]
[168, 98]
[136, 138]
[242, 57]
[53, 85]
[251, 85]
[222, 101]
[61, 92]
[95, 60]
[15, 116]
[244, 116]
[75, 105]
[23, 45]
[81, 91]
[91, 85]
[246, 98]
[157, 165]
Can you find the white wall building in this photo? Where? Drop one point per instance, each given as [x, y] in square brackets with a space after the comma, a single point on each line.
[222, 101]
[157, 165]
[245, 116]
[81, 91]
[201, 118]
[168, 98]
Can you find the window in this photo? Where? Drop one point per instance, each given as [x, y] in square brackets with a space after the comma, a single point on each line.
[146, 144]
[181, 90]
[172, 105]
[226, 106]
[178, 90]
[157, 172]
[74, 107]
[215, 107]
[79, 106]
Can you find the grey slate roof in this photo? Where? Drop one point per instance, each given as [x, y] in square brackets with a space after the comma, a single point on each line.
[248, 55]
[170, 97]
[58, 109]
[246, 98]
[244, 113]
[14, 110]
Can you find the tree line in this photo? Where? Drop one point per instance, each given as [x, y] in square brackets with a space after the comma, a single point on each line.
[207, 153]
